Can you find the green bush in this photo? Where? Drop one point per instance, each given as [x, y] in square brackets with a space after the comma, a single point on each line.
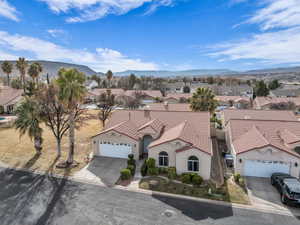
[172, 173]
[150, 163]
[132, 169]
[130, 156]
[242, 182]
[186, 178]
[125, 174]
[144, 169]
[237, 176]
[196, 179]
[131, 162]
[153, 171]
[1, 109]
[163, 170]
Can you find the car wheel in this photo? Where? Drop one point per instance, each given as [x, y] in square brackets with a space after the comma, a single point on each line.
[283, 199]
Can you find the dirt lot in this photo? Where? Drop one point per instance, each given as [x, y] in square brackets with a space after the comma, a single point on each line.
[19, 152]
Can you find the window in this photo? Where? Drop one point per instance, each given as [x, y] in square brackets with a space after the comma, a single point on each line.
[193, 164]
[163, 159]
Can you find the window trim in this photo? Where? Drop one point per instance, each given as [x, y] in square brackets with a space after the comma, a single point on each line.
[165, 159]
[193, 162]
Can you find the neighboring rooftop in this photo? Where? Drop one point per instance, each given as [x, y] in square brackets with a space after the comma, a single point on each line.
[252, 134]
[258, 115]
[178, 107]
[264, 101]
[9, 95]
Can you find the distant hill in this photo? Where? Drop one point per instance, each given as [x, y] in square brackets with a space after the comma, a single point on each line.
[52, 68]
[166, 73]
[275, 70]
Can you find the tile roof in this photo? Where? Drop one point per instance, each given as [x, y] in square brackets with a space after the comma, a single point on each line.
[193, 127]
[114, 91]
[251, 134]
[151, 93]
[181, 107]
[10, 95]
[232, 98]
[258, 114]
[155, 124]
[263, 101]
[178, 96]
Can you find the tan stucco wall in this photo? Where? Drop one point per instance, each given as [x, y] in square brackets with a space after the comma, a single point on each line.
[115, 137]
[179, 160]
[204, 162]
[265, 154]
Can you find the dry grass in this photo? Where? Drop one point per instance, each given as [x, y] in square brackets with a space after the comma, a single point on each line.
[19, 152]
[236, 193]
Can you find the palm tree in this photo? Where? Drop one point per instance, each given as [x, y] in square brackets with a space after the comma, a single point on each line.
[34, 71]
[109, 76]
[72, 90]
[22, 66]
[29, 120]
[203, 100]
[7, 68]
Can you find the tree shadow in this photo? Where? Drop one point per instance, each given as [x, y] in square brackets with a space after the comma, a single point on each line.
[32, 161]
[197, 210]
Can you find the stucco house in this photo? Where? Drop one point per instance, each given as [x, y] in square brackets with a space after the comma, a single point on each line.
[9, 97]
[177, 97]
[174, 139]
[262, 147]
[239, 102]
[266, 102]
[180, 107]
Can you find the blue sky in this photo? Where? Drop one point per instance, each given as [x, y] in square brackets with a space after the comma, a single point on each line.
[153, 34]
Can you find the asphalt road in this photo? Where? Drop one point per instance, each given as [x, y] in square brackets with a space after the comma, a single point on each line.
[30, 199]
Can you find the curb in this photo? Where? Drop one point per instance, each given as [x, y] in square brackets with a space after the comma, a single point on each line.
[149, 192]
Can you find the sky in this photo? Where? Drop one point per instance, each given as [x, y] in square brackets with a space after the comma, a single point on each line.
[153, 34]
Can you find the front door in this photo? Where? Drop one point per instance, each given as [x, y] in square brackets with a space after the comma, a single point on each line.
[146, 141]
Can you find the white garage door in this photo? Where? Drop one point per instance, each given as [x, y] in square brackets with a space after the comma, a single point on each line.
[260, 168]
[114, 150]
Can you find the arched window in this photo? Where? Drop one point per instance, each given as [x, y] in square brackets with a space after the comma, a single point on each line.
[163, 159]
[193, 164]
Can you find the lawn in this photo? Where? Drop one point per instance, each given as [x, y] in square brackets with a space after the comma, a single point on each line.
[19, 152]
[229, 192]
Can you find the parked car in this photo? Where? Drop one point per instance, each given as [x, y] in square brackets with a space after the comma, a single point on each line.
[288, 187]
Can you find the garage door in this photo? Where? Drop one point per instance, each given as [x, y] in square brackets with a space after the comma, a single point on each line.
[114, 150]
[261, 168]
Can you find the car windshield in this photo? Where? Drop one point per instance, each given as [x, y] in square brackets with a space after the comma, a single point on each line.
[293, 185]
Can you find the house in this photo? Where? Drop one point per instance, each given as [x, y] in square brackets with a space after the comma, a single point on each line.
[252, 114]
[95, 93]
[239, 102]
[147, 96]
[174, 139]
[180, 107]
[91, 84]
[285, 92]
[177, 97]
[267, 102]
[9, 97]
[263, 147]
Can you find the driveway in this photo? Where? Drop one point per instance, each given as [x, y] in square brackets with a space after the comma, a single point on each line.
[103, 170]
[262, 193]
[31, 199]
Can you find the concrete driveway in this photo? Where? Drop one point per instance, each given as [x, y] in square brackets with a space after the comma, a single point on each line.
[263, 194]
[103, 170]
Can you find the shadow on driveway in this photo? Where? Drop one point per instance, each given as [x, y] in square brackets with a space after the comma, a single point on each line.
[197, 210]
[107, 169]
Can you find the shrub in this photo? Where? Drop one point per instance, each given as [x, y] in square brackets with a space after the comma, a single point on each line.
[130, 156]
[144, 169]
[125, 174]
[153, 171]
[172, 173]
[1, 109]
[163, 170]
[131, 162]
[186, 178]
[241, 182]
[237, 176]
[197, 180]
[150, 163]
[132, 169]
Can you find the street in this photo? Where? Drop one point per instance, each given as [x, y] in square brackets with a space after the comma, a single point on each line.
[30, 199]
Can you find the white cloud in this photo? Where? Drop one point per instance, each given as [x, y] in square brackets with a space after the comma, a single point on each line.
[277, 14]
[279, 21]
[90, 10]
[100, 60]
[56, 32]
[8, 11]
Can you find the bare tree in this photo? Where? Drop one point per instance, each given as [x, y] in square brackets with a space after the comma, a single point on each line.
[106, 103]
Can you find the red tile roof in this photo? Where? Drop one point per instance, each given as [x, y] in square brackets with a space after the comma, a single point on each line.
[9, 95]
[192, 127]
[258, 114]
[181, 107]
[264, 101]
[252, 134]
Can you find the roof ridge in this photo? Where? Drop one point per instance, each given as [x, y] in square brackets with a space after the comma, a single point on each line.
[294, 121]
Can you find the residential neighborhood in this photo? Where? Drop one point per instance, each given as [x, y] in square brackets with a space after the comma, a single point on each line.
[153, 112]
